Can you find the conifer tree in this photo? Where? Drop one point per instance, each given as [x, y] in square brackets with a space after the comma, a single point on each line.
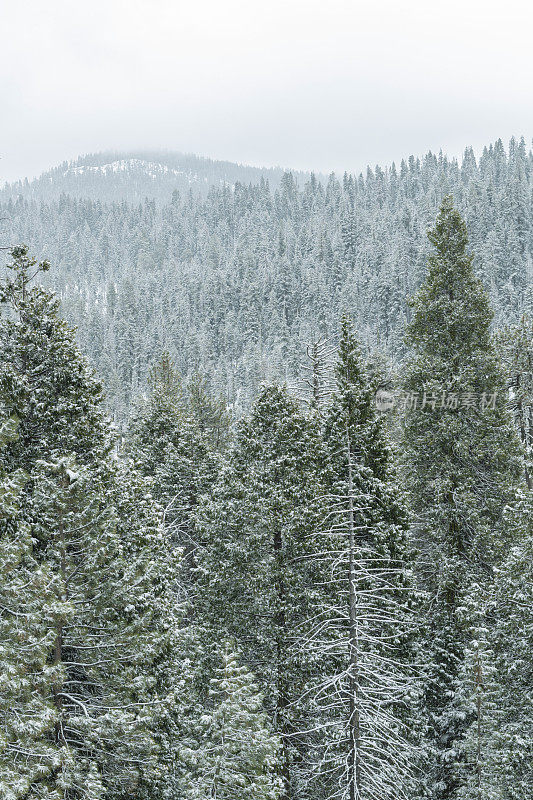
[257, 531]
[462, 462]
[176, 457]
[99, 642]
[359, 628]
[510, 757]
[27, 714]
[515, 344]
[209, 413]
[54, 393]
[232, 751]
[497, 672]
[102, 632]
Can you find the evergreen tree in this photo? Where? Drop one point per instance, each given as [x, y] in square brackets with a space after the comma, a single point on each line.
[359, 628]
[499, 743]
[462, 462]
[27, 715]
[209, 413]
[175, 456]
[98, 643]
[102, 636]
[54, 394]
[510, 756]
[258, 534]
[515, 345]
[234, 752]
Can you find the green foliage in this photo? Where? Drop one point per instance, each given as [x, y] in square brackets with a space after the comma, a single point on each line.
[462, 463]
[27, 714]
[232, 751]
[210, 413]
[89, 571]
[176, 457]
[120, 575]
[257, 532]
[500, 739]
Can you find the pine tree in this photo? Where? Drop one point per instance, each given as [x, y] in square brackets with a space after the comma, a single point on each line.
[210, 413]
[499, 742]
[27, 715]
[232, 751]
[462, 462]
[54, 393]
[101, 632]
[359, 629]
[257, 531]
[510, 757]
[170, 450]
[99, 643]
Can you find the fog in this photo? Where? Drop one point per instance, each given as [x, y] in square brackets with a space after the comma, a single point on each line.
[311, 85]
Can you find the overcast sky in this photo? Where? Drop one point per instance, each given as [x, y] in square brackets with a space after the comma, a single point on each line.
[310, 84]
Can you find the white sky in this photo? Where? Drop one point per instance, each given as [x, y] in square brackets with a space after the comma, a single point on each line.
[310, 84]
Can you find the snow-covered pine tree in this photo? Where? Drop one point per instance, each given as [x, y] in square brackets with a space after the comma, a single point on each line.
[209, 413]
[54, 393]
[258, 584]
[461, 464]
[109, 625]
[497, 667]
[358, 631]
[510, 741]
[101, 634]
[27, 714]
[232, 751]
[497, 674]
[171, 451]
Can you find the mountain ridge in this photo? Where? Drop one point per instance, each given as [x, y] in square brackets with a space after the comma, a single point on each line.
[133, 175]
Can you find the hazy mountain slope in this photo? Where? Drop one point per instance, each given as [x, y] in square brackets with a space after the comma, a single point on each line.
[235, 284]
[133, 176]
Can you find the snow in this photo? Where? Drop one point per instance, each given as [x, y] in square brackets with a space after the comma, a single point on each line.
[151, 168]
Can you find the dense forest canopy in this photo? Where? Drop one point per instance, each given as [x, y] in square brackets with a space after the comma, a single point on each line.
[321, 600]
[237, 279]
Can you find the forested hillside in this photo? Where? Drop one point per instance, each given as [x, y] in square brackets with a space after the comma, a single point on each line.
[134, 176]
[236, 283]
[313, 601]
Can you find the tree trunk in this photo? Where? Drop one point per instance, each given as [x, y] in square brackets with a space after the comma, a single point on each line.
[479, 688]
[58, 646]
[354, 758]
[282, 699]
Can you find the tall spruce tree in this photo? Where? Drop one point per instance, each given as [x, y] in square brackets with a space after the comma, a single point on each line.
[461, 465]
[258, 532]
[98, 644]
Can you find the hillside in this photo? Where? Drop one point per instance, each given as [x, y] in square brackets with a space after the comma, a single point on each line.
[237, 281]
[133, 176]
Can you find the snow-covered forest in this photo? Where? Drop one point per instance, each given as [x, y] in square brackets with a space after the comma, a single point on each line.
[266, 481]
[235, 285]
